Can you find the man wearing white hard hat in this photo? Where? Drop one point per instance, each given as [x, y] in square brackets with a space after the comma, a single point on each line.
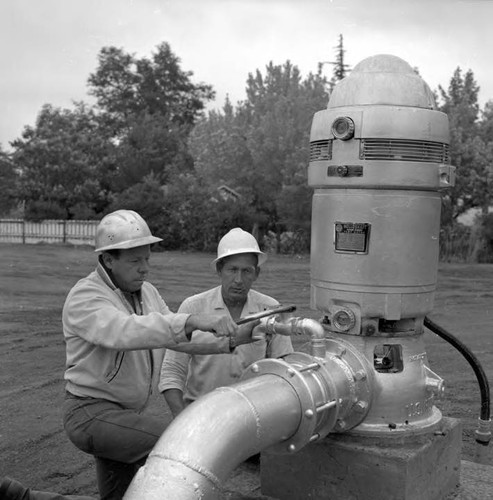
[187, 376]
[116, 327]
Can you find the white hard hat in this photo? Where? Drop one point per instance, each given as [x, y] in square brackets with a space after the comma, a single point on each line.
[121, 230]
[236, 242]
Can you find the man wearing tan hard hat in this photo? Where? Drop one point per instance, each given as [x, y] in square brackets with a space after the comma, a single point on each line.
[116, 327]
[187, 376]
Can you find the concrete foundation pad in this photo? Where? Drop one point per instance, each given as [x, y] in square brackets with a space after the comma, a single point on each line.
[476, 481]
[418, 467]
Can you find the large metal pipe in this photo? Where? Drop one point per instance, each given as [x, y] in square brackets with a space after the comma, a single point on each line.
[279, 404]
[214, 435]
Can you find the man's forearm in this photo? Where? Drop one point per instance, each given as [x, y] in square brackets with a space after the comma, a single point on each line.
[174, 399]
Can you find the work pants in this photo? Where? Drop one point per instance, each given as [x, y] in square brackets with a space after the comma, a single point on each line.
[119, 439]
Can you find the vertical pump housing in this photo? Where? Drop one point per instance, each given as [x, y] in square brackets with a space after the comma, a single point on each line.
[379, 156]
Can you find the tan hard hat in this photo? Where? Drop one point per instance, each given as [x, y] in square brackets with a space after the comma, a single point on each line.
[121, 230]
[236, 242]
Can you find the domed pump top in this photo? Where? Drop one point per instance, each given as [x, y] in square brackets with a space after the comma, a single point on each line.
[383, 79]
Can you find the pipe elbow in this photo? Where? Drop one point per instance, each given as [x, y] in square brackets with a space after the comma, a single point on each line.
[299, 326]
[316, 332]
[215, 434]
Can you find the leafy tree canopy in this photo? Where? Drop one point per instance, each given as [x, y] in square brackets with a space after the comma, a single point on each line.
[260, 148]
[8, 181]
[149, 106]
[126, 86]
[73, 162]
[63, 161]
[470, 147]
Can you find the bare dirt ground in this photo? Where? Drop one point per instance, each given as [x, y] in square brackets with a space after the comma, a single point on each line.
[36, 278]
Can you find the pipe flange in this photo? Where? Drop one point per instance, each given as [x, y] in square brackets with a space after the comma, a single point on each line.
[357, 373]
[313, 386]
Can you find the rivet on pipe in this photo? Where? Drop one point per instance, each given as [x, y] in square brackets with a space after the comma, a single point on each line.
[291, 448]
[309, 413]
[255, 368]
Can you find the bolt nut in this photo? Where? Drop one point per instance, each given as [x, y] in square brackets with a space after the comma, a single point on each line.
[340, 425]
[361, 406]
[340, 351]
[360, 375]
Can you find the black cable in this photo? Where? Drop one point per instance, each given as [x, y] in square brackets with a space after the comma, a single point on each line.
[484, 387]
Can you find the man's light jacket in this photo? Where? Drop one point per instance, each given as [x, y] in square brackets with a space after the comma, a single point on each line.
[114, 353]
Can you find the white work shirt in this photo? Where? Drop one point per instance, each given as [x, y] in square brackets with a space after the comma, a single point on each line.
[197, 374]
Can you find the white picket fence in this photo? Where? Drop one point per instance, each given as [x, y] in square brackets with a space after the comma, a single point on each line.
[76, 232]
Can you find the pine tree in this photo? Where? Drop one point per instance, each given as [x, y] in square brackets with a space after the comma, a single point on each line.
[340, 68]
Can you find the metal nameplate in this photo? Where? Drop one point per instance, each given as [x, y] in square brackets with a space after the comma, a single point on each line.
[352, 237]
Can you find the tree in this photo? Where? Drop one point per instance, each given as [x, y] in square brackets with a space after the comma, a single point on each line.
[145, 197]
[486, 122]
[64, 163]
[339, 68]
[150, 106]
[152, 146]
[73, 163]
[221, 152]
[8, 183]
[486, 156]
[125, 86]
[260, 148]
[469, 152]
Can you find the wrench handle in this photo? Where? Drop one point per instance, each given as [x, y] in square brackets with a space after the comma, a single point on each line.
[263, 314]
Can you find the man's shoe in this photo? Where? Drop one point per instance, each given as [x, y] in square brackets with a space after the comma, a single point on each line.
[10, 489]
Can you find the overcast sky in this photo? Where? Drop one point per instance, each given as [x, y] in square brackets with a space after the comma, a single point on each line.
[48, 48]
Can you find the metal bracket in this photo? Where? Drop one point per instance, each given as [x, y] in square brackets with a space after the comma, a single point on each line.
[446, 175]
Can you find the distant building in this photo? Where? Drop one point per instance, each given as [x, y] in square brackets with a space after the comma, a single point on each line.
[227, 193]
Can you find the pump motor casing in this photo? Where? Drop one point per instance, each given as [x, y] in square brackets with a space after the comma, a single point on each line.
[379, 156]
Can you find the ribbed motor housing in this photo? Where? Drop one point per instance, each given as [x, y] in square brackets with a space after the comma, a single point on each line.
[379, 158]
